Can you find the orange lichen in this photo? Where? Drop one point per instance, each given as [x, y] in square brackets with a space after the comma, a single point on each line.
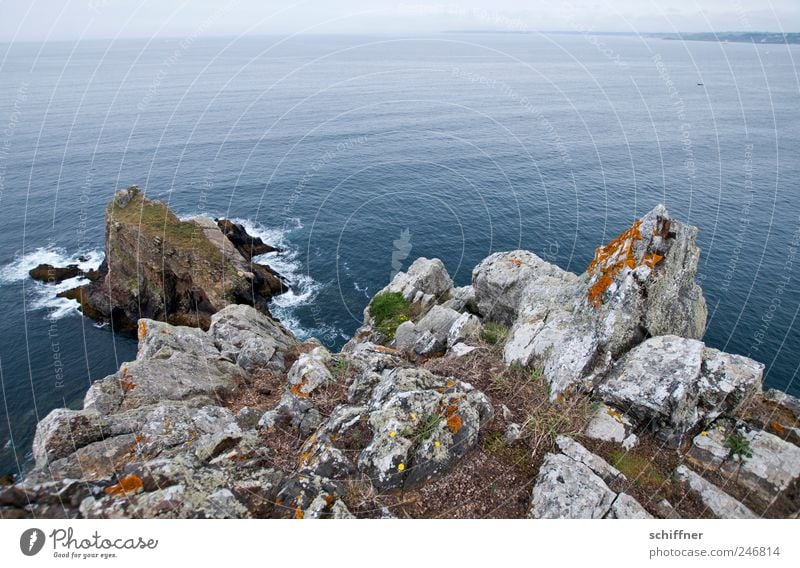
[142, 329]
[454, 423]
[329, 499]
[652, 259]
[778, 427]
[515, 262]
[127, 485]
[298, 513]
[387, 349]
[124, 381]
[611, 259]
[296, 390]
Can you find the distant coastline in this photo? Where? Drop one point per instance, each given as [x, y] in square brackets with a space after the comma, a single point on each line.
[738, 37]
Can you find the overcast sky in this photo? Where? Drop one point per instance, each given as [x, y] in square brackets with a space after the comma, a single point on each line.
[72, 19]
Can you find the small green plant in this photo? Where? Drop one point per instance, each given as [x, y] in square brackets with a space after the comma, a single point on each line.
[389, 310]
[424, 430]
[341, 367]
[738, 447]
[494, 333]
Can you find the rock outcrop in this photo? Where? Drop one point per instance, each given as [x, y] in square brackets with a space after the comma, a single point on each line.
[592, 394]
[162, 268]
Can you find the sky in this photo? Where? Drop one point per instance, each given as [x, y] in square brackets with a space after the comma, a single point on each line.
[37, 20]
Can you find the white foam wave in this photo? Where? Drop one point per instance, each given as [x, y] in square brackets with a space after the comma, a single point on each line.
[303, 288]
[42, 296]
[18, 269]
[364, 290]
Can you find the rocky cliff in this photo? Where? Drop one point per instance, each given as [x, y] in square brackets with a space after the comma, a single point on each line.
[160, 267]
[532, 392]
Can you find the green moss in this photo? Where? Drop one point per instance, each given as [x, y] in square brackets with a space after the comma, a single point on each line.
[389, 310]
[154, 219]
[639, 470]
[494, 333]
[424, 429]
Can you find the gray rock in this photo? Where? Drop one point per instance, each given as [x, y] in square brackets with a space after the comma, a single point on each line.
[657, 383]
[785, 400]
[665, 510]
[310, 372]
[626, 507]
[463, 299]
[421, 424]
[770, 475]
[499, 282]
[466, 329]
[568, 489]
[598, 465]
[460, 350]
[251, 339]
[720, 503]
[672, 384]
[608, 425]
[512, 434]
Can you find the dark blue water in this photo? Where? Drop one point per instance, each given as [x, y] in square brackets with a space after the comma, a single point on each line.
[360, 154]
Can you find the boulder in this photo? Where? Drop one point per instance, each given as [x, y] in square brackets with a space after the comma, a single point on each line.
[720, 503]
[568, 489]
[425, 283]
[250, 338]
[771, 474]
[310, 372]
[500, 280]
[671, 384]
[421, 425]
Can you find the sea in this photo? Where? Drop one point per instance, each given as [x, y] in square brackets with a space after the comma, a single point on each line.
[358, 154]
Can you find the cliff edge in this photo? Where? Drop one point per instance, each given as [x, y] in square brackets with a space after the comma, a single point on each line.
[532, 392]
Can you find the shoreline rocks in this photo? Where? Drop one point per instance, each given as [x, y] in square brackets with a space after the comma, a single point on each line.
[238, 418]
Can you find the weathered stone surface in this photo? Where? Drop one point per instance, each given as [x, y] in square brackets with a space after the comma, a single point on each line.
[422, 424]
[720, 503]
[672, 384]
[771, 474]
[598, 465]
[310, 372]
[466, 329]
[249, 338]
[500, 280]
[785, 400]
[568, 489]
[610, 425]
[626, 507]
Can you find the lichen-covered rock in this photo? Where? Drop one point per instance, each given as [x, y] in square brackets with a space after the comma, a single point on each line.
[465, 329]
[626, 507]
[421, 425]
[501, 279]
[770, 474]
[424, 284]
[249, 338]
[672, 383]
[610, 425]
[720, 503]
[568, 489]
[310, 372]
[598, 465]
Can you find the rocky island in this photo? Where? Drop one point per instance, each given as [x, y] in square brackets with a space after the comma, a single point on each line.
[158, 266]
[532, 392]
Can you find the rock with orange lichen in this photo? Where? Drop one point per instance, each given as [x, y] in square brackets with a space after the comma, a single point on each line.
[640, 284]
[421, 424]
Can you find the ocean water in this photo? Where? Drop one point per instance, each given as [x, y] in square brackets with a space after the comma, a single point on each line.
[360, 154]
